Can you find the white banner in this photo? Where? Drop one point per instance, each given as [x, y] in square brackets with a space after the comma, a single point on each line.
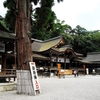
[34, 76]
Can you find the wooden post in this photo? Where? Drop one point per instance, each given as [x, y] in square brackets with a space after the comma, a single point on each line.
[84, 68]
[64, 61]
[4, 64]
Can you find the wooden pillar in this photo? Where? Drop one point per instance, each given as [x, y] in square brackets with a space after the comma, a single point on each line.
[15, 52]
[70, 63]
[4, 60]
[56, 59]
[64, 61]
[84, 66]
[51, 63]
[4, 63]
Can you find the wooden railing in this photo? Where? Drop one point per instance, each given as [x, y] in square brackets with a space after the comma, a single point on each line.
[8, 73]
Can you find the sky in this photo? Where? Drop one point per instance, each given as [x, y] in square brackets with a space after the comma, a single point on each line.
[2, 9]
[85, 13]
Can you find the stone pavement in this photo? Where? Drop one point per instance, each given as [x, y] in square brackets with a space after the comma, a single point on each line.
[68, 88]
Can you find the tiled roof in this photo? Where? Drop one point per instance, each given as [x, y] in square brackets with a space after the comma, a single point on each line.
[6, 35]
[56, 45]
[41, 57]
[46, 45]
[93, 57]
[62, 49]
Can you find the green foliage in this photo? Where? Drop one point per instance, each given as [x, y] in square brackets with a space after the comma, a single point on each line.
[10, 15]
[59, 0]
[43, 21]
[47, 3]
[88, 42]
[45, 25]
[68, 38]
[43, 15]
[95, 38]
[3, 23]
[79, 30]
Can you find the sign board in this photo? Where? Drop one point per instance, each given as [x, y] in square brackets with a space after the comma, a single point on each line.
[34, 75]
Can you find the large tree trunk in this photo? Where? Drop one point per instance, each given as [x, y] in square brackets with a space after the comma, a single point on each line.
[24, 51]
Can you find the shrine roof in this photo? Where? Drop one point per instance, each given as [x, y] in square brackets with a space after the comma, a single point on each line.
[92, 57]
[41, 57]
[5, 34]
[40, 46]
[66, 49]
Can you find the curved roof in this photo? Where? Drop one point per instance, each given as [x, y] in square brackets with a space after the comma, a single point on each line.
[6, 35]
[41, 57]
[92, 57]
[40, 46]
[63, 50]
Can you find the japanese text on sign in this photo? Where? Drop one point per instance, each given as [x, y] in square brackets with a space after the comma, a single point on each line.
[34, 75]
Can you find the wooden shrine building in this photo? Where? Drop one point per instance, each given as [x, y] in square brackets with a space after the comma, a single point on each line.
[55, 51]
[91, 61]
[7, 53]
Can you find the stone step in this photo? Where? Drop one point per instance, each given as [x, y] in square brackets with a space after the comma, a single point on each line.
[7, 87]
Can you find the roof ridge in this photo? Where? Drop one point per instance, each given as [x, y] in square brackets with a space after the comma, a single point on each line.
[58, 37]
[93, 53]
[53, 38]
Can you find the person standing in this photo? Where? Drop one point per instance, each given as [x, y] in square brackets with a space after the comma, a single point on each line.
[75, 73]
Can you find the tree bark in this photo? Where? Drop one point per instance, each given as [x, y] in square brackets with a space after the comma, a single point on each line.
[24, 51]
[22, 29]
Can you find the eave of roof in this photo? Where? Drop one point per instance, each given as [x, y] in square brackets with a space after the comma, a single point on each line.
[83, 61]
[47, 45]
[6, 35]
[61, 50]
[41, 57]
[39, 46]
[64, 49]
[92, 58]
[88, 62]
[78, 54]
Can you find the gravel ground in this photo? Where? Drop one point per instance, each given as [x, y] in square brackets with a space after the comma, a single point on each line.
[68, 88]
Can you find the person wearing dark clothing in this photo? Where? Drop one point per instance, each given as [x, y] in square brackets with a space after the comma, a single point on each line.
[75, 73]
